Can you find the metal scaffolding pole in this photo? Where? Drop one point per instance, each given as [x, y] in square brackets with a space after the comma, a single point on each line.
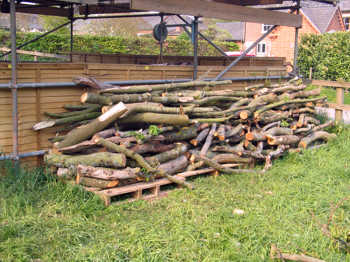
[296, 44]
[244, 53]
[195, 47]
[13, 82]
[203, 36]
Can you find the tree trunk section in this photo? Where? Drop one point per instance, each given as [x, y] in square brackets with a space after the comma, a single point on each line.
[102, 159]
[83, 132]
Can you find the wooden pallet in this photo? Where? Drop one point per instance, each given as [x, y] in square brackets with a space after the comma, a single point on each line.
[149, 190]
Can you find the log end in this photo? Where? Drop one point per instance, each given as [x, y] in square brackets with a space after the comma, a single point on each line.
[249, 136]
[244, 115]
[113, 184]
[84, 97]
[43, 125]
[194, 142]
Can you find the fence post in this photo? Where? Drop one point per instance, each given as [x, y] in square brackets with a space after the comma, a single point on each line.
[340, 103]
[310, 73]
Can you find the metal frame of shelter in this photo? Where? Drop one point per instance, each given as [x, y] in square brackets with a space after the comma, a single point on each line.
[223, 9]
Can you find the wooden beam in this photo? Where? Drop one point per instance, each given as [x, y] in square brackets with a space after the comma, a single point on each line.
[249, 2]
[104, 9]
[219, 10]
[344, 85]
[41, 10]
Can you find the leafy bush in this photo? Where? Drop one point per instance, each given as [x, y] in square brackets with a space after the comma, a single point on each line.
[59, 43]
[327, 54]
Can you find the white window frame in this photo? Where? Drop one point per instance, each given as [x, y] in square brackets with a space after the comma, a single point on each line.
[259, 46]
[347, 23]
[265, 28]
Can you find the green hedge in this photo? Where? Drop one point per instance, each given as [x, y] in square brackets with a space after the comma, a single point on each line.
[60, 43]
[327, 54]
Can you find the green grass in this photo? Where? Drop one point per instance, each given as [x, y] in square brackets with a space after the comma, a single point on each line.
[47, 220]
[331, 94]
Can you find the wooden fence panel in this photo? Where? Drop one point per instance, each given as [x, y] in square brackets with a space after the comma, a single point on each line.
[33, 102]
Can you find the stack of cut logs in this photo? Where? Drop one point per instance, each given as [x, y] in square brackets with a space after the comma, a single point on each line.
[123, 135]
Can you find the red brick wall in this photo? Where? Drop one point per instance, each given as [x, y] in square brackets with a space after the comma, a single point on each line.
[337, 23]
[280, 43]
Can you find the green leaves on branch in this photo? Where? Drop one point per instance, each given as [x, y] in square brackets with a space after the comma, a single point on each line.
[327, 54]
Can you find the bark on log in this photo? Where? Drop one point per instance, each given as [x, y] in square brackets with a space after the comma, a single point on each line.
[154, 118]
[102, 159]
[108, 173]
[66, 120]
[90, 82]
[281, 103]
[174, 166]
[156, 160]
[208, 140]
[201, 136]
[231, 158]
[153, 147]
[318, 135]
[279, 131]
[276, 254]
[282, 140]
[221, 168]
[106, 133]
[93, 108]
[220, 133]
[163, 87]
[255, 136]
[78, 107]
[93, 182]
[80, 134]
[183, 134]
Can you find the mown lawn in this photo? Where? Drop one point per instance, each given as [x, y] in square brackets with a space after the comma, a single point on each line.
[44, 220]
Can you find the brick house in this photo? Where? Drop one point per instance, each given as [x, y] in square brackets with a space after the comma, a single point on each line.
[345, 9]
[317, 19]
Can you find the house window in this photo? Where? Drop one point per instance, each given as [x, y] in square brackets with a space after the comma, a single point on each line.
[347, 23]
[266, 28]
[261, 49]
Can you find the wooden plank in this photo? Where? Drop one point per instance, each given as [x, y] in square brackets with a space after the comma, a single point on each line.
[250, 2]
[219, 10]
[345, 85]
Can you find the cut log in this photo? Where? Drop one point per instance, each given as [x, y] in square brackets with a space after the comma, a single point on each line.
[163, 87]
[234, 131]
[318, 135]
[83, 132]
[255, 136]
[90, 82]
[201, 136]
[79, 107]
[208, 140]
[108, 173]
[152, 147]
[183, 134]
[221, 168]
[106, 133]
[174, 166]
[220, 133]
[102, 159]
[279, 131]
[282, 140]
[66, 120]
[92, 108]
[281, 103]
[93, 182]
[156, 160]
[231, 158]
[153, 118]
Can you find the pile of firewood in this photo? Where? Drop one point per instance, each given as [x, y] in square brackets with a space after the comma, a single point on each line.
[124, 135]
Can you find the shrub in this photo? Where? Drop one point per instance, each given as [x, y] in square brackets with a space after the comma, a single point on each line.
[327, 54]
